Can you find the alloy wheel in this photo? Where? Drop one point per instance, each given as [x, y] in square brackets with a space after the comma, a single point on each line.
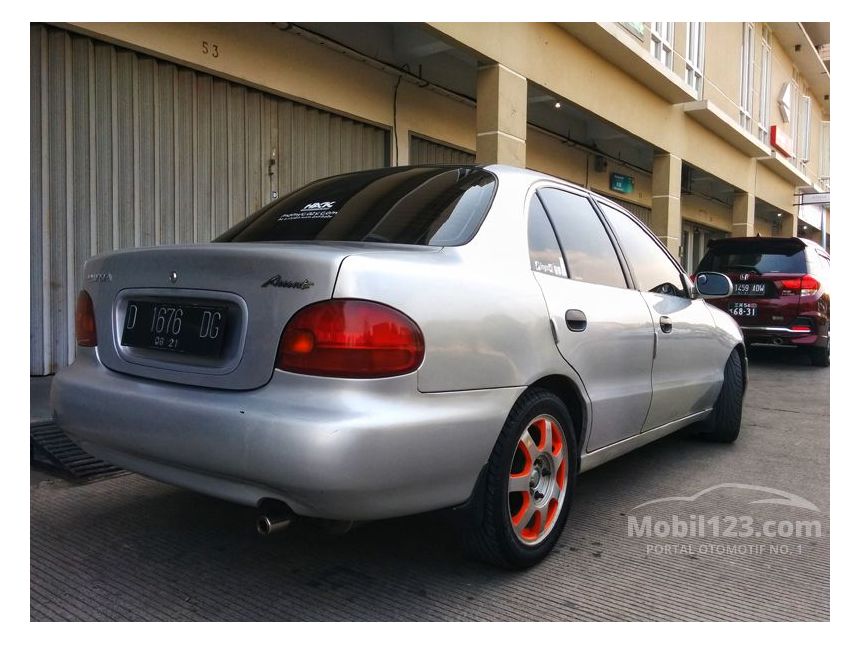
[538, 478]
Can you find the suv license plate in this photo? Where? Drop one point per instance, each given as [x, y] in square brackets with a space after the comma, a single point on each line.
[743, 309]
[750, 288]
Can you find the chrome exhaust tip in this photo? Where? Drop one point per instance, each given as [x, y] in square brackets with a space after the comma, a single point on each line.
[266, 525]
[275, 516]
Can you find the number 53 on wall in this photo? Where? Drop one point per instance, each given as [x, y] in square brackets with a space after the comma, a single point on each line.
[210, 49]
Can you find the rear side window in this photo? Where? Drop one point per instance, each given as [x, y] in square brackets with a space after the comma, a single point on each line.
[588, 252]
[759, 257]
[823, 263]
[433, 206]
[544, 251]
[648, 259]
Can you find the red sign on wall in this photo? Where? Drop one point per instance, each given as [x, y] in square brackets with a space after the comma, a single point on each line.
[780, 140]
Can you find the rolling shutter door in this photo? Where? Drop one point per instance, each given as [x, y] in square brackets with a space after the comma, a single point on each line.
[128, 150]
[424, 151]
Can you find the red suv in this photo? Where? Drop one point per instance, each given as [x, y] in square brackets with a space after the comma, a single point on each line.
[781, 290]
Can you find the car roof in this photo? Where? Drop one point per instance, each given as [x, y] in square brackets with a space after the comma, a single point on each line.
[503, 170]
[764, 241]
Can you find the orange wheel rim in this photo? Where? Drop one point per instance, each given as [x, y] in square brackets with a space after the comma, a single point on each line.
[537, 480]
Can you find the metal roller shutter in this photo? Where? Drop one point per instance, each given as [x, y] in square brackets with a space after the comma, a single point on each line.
[425, 151]
[127, 150]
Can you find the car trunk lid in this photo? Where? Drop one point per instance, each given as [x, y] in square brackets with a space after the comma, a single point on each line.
[249, 292]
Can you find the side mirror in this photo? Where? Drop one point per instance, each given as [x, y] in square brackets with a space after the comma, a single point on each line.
[713, 285]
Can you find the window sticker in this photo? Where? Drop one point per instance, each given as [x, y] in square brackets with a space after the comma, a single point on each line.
[314, 210]
[555, 268]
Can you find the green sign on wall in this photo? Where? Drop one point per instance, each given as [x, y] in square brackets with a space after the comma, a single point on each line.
[620, 183]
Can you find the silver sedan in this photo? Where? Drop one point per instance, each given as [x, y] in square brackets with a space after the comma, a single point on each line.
[393, 341]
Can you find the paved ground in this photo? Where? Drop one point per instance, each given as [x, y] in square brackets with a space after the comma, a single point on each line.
[132, 549]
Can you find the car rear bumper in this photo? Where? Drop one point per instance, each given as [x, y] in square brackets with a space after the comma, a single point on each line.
[331, 448]
[779, 336]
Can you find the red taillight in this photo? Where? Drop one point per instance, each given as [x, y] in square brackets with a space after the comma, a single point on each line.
[350, 339]
[805, 286]
[804, 325]
[85, 321]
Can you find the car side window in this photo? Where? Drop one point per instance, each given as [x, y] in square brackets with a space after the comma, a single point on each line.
[648, 259]
[544, 251]
[823, 263]
[587, 249]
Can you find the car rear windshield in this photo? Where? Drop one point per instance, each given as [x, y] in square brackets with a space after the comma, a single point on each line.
[757, 257]
[425, 205]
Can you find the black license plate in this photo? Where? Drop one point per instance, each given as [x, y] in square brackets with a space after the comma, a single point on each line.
[750, 288]
[175, 327]
[743, 309]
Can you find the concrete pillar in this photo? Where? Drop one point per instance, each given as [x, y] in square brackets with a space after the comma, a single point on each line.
[666, 202]
[824, 228]
[790, 223]
[743, 215]
[501, 116]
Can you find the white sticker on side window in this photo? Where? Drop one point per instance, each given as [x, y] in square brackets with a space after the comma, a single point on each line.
[555, 268]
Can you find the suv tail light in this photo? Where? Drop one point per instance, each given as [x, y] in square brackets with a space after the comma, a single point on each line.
[350, 339]
[85, 321]
[805, 286]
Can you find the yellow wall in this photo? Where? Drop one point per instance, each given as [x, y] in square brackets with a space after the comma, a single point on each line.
[783, 72]
[723, 41]
[771, 188]
[546, 153]
[283, 63]
[764, 227]
[265, 57]
[435, 116]
[707, 212]
[599, 181]
[550, 57]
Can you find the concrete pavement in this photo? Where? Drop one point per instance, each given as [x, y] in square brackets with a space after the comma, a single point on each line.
[132, 549]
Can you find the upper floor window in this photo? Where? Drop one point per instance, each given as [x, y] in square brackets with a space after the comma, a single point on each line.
[824, 154]
[803, 124]
[764, 87]
[747, 75]
[794, 122]
[662, 38]
[695, 60]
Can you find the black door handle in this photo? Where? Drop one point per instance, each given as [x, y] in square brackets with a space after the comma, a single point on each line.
[665, 324]
[576, 320]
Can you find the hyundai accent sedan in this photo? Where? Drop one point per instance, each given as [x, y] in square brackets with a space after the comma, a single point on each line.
[394, 341]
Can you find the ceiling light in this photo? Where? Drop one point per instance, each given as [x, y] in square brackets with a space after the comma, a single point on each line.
[557, 105]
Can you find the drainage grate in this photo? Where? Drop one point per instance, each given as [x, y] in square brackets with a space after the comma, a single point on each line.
[51, 446]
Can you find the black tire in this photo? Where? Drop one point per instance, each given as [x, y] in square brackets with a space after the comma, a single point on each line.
[489, 534]
[820, 356]
[724, 423]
